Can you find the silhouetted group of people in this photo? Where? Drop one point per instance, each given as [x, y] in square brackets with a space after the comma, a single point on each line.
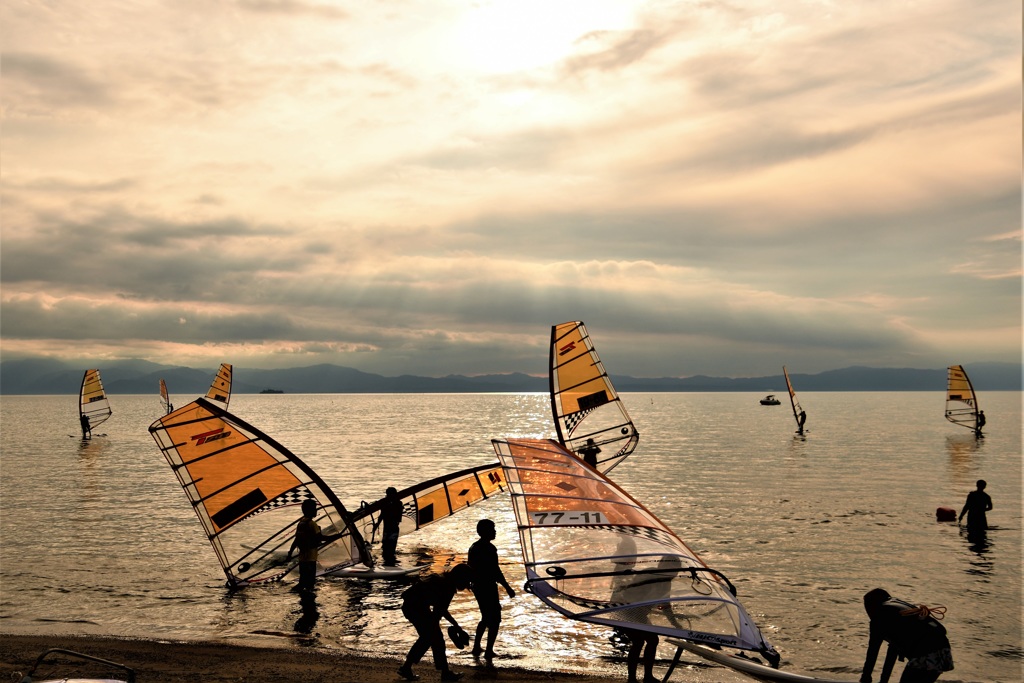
[426, 602]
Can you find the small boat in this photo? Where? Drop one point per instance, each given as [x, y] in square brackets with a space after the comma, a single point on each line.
[770, 400]
[128, 673]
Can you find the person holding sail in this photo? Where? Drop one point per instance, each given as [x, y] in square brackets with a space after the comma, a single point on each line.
[391, 518]
[589, 453]
[308, 539]
[86, 427]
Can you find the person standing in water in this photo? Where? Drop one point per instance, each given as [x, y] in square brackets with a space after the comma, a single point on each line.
[981, 423]
[589, 453]
[977, 504]
[86, 427]
[391, 517]
[801, 419]
[308, 539]
[487, 575]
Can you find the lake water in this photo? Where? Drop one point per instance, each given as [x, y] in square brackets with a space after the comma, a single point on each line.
[98, 538]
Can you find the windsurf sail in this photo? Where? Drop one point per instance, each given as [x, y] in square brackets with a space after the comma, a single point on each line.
[165, 398]
[961, 402]
[433, 500]
[220, 389]
[798, 412]
[247, 490]
[92, 400]
[589, 417]
[593, 553]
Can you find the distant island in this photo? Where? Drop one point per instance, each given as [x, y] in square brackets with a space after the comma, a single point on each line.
[44, 376]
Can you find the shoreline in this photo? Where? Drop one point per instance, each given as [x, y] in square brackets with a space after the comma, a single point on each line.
[175, 661]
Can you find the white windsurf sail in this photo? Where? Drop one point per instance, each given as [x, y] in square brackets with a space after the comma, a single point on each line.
[798, 412]
[165, 398]
[92, 400]
[247, 490]
[433, 500]
[587, 410]
[593, 553]
[961, 402]
[220, 389]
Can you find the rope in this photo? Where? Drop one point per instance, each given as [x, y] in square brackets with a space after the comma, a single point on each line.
[924, 611]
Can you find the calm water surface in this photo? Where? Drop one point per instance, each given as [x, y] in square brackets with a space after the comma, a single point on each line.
[98, 537]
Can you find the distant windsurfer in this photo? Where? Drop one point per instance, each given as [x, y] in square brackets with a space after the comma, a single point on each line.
[981, 422]
[86, 427]
[589, 453]
[912, 633]
[977, 504]
[487, 575]
[800, 420]
[391, 518]
[423, 604]
[308, 539]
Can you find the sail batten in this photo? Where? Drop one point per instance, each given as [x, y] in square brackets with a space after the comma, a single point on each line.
[588, 414]
[246, 490]
[594, 553]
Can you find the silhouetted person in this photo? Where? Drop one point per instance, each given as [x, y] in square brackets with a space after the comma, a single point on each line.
[977, 504]
[912, 633]
[589, 453]
[487, 575]
[391, 517]
[86, 427]
[308, 539]
[981, 422]
[423, 604]
[801, 419]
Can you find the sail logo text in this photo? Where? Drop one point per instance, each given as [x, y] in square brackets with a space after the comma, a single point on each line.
[206, 437]
[567, 348]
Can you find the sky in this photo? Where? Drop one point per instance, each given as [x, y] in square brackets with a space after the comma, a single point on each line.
[427, 186]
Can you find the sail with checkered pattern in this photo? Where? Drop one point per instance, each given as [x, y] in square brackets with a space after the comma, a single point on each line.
[593, 553]
[590, 419]
[247, 490]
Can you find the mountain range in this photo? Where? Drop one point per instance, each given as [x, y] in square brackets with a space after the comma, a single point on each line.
[44, 376]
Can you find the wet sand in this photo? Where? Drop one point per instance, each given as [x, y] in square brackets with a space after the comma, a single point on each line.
[159, 661]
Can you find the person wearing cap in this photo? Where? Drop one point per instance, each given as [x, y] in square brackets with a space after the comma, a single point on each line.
[913, 633]
[424, 604]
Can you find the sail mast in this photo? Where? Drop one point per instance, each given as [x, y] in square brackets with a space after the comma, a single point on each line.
[794, 402]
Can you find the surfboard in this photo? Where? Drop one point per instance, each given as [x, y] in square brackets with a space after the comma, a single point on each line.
[361, 571]
[748, 666]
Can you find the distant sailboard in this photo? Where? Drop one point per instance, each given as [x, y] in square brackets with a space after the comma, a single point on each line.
[798, 412]
[593, 553]
[92, 400]
[247, 490]
[961, 401]
[585, 404]
[165, 398]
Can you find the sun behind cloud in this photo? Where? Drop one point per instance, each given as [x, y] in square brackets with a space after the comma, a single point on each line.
[505, 36]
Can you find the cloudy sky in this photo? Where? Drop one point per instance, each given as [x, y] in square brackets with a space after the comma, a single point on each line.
[426, 186]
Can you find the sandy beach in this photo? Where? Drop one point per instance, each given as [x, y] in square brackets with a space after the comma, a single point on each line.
[194, 662]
